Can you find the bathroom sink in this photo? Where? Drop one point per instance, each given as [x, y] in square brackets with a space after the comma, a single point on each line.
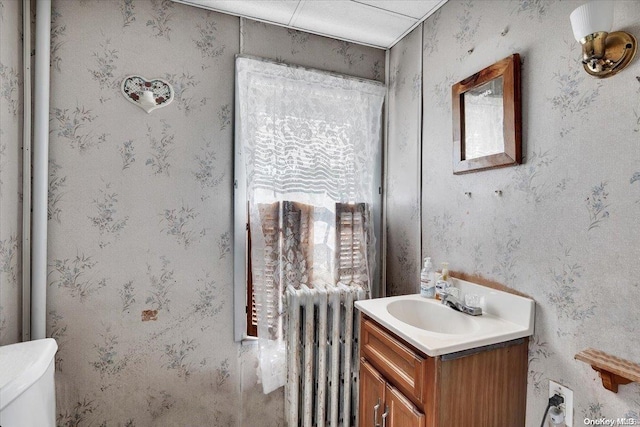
[436, 329]
[424, 314]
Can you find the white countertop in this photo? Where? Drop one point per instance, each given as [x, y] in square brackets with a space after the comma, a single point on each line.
[505, 317]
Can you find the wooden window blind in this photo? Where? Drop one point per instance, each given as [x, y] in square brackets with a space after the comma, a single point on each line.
[252, 312]
[281, 219]
[351, 241]
[270, 215]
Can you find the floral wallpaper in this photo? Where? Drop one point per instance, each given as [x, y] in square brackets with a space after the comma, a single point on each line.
[403, 166]
[11, 80]
[296, 47]
[140, 211]
[139, 297]
[563, 226]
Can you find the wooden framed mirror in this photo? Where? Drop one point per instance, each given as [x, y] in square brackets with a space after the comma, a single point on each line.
[487, 118]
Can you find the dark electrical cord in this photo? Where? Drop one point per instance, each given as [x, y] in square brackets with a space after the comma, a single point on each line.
[555, 400]
[546, 412]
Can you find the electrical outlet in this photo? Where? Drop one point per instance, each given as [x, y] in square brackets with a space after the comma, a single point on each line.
[567, 406]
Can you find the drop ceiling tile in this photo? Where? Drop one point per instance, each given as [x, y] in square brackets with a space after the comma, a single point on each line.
[379, 23]
[277, 11]
[353, 21]
[412, 8]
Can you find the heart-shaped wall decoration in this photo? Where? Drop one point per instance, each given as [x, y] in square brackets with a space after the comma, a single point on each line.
[147, 94]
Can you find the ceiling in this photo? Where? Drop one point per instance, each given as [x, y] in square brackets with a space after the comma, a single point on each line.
[378, 23]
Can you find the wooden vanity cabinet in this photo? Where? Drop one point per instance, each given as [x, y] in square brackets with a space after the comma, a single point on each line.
[401, 411]
[402, 387]
[372, 394]
[381, 404]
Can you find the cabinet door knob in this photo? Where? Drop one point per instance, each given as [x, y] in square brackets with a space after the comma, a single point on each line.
[375, 414]
[384, 416]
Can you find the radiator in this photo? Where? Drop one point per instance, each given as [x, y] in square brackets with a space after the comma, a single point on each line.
[322, 361]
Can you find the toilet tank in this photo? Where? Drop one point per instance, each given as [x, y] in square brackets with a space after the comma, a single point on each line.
[27, 390]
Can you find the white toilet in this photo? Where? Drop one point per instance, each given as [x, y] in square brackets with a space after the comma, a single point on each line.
[27, 390]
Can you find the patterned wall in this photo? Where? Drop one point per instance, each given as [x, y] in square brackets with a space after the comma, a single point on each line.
[290, 46]
[11, 80]
[403, 165]
[140, 216]
[140, 261]
[565, 230]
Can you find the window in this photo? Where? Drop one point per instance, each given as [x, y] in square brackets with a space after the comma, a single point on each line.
[307, 177]
[283, 219]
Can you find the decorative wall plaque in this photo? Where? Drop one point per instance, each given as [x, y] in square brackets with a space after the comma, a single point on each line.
[147, 94]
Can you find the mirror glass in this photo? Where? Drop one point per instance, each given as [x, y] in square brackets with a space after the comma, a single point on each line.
[483, 120]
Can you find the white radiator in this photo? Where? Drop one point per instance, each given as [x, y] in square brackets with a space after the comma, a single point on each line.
[322, 361]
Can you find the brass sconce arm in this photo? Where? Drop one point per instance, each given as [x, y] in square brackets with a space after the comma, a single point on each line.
[604, 53]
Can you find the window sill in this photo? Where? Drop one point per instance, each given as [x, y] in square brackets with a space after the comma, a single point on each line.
[247, 341]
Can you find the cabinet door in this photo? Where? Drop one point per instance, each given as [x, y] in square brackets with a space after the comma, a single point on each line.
[401, 412]
[372, 390]
[399, 364]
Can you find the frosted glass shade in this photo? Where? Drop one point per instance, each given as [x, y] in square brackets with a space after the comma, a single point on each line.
[591, 18]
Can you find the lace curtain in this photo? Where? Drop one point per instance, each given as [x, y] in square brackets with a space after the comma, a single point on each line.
[309, 141]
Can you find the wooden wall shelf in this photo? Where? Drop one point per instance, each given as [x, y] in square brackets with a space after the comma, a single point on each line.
[613, 370]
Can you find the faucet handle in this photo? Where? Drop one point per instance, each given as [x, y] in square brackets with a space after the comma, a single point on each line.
[472, 300]
[453, 291]
[442, 287]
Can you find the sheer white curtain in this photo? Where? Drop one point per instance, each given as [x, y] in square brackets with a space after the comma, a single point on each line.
[309, 141]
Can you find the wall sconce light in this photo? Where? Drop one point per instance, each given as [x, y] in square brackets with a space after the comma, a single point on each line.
[147, 94]
[603, 53]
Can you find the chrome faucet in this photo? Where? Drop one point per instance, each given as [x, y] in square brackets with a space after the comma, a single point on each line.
[456, 304]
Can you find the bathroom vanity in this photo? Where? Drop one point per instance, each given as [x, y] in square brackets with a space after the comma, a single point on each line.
[426, 365]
